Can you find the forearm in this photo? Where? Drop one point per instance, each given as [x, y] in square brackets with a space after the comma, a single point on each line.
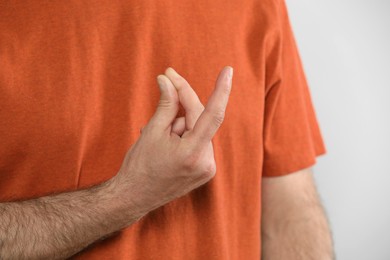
[299, 235]
[58, 226]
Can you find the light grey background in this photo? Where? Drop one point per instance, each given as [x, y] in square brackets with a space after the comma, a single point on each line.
[345, 49]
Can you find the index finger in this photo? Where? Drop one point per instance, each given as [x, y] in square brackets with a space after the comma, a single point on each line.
[187, 96]
[213, 114]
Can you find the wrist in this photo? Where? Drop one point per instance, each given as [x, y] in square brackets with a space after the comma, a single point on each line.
[123, 200]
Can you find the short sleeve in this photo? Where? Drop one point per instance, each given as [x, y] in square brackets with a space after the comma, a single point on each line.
[291, 137]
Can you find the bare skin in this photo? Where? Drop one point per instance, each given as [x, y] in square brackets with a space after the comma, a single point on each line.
[170, 158]
[294, 224]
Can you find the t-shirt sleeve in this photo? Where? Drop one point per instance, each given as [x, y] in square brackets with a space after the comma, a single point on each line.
[292, 137]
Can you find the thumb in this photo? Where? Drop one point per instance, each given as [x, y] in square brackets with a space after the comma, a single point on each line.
[168, 105]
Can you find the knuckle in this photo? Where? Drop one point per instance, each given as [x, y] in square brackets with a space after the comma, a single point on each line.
[200, 167]
[191, 162]
[218, 117]
[226, 90]
[202, 170]
[210, 170]
[164, 103]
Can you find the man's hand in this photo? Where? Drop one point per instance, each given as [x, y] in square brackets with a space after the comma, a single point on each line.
[174, 155]
[171, 158]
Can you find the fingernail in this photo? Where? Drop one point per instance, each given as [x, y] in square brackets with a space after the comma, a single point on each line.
[230, 74]
[175, 72]
[160, 82]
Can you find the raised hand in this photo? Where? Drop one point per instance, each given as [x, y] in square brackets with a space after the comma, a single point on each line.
[174, 155]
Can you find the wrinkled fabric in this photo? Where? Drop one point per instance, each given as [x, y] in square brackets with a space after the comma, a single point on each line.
[78, 81]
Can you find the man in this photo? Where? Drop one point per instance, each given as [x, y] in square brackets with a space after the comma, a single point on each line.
[212, 181]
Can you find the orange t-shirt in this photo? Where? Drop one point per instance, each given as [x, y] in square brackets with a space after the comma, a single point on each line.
[78, 81]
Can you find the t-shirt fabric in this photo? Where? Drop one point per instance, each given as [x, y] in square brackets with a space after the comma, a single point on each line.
[78, 81]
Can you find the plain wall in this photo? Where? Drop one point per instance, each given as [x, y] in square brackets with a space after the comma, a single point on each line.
[344, 46]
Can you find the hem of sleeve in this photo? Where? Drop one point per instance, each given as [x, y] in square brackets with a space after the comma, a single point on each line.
[297, 166]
